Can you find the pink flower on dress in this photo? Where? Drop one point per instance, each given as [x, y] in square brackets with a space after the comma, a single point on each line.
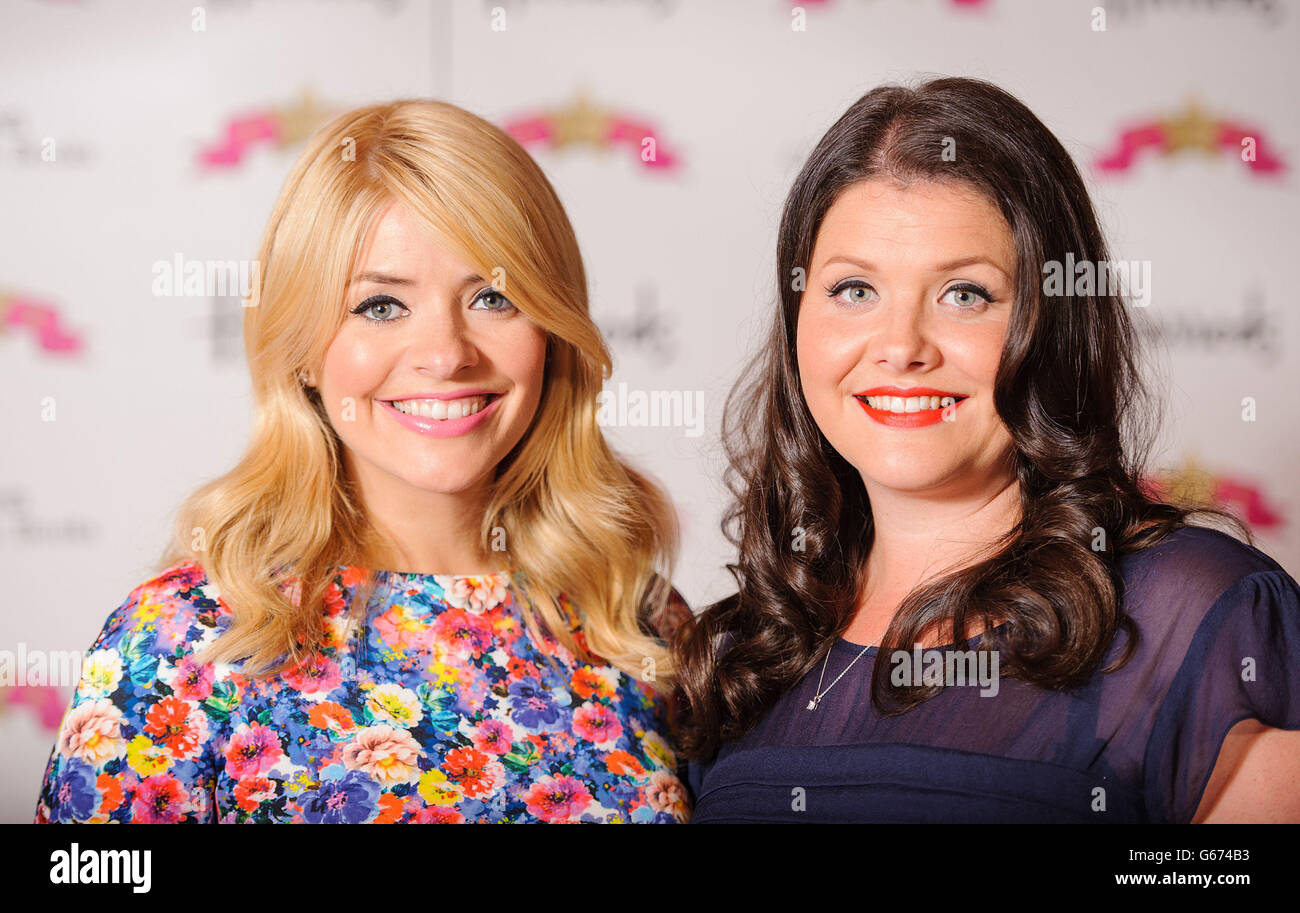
[557, 799]
[160, 799]
[191, 681]
[389, 755]
[253, 750]
[291, 587]
[665, 793]
[461, 634]
[439, 814]
[315, 675]
[478, 594]
[334, 600]
[403, 629]
[493, 736]
[93, 732]
[597, 723]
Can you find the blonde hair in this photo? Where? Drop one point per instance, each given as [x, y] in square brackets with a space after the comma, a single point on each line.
[581, 523]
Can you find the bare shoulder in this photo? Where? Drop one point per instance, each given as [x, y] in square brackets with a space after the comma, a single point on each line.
[1256, 778]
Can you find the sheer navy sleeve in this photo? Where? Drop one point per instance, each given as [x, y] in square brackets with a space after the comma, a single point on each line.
[1243, 663]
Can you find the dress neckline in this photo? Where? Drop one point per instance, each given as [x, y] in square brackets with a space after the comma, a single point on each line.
[503, 575]
[843, 644]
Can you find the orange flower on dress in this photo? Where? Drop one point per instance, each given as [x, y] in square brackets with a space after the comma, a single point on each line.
[621, 763]
[390, 809]
[173, 725]
[251, 792]
[333, 716]
[587, 682]
[111, 788]
[476, 773]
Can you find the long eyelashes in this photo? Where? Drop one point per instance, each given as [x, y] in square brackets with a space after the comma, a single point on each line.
[374, 301]
[366, 307]
[844, 285]
[507, 304]
[971, 288]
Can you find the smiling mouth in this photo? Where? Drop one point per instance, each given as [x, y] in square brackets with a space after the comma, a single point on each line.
[904, 404]
[444, 409]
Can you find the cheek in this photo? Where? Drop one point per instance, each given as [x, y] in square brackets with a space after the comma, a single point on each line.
[975, 351]
[521, 355]
[351, 363]
[827, 355]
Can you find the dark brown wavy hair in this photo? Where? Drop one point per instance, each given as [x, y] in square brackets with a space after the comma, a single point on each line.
[1068, 388]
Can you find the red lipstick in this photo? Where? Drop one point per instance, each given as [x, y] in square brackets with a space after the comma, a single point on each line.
[930, 414]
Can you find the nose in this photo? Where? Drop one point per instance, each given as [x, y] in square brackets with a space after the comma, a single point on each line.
[443, 346]
[901, 341]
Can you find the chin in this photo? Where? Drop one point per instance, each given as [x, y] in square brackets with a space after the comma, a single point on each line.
[906, 474]
[445, 483]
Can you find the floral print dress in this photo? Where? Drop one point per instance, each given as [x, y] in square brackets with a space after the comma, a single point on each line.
[445, 710]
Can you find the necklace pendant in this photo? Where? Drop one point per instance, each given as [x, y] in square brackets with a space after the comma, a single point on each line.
[812, 705]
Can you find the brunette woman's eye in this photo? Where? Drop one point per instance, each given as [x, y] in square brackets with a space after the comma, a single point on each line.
[379, 308]
[858, 292]
[967, 297]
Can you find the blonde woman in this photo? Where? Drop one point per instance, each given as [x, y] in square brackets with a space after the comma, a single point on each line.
[429, 590]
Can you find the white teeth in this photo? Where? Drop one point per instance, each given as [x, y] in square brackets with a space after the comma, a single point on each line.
[909, 404]
[441, 408]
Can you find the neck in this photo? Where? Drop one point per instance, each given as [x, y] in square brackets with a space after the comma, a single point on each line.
[429, 532]
[919, 537]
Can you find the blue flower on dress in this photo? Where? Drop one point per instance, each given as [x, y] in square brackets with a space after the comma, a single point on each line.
[77, 788]
[533, 706]
[349, 800]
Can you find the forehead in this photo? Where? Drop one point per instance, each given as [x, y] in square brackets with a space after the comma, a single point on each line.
[399, 240]
[923, 222]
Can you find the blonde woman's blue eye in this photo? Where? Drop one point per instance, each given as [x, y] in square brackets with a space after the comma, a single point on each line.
[379, 308]
[493, 301]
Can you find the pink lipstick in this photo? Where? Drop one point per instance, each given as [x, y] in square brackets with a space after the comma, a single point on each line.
[446, 427]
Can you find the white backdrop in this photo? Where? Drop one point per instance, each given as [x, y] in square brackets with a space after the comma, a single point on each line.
[115, 153]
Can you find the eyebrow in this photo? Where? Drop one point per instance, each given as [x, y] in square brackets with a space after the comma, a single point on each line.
[939, 268]
[381, 278]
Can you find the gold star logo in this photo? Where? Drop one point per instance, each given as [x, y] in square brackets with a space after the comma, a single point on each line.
[298, 121]
[1189, 483]
[1191, 129]
[579, 123]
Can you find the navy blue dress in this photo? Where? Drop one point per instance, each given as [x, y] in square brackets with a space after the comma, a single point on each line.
[1219, 627]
